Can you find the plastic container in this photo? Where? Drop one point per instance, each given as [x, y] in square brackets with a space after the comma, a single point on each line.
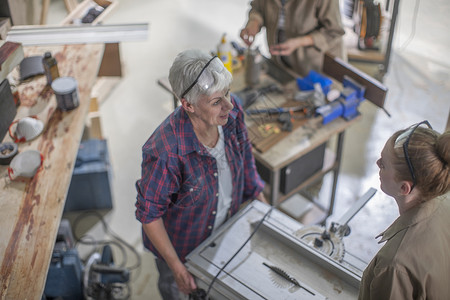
[224, 53]
[66, 91]
[50, 67]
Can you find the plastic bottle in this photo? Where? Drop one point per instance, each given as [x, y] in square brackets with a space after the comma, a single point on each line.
[50, 67]
[224, 53]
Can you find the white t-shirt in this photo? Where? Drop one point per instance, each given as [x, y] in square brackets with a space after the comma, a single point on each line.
[225, 183]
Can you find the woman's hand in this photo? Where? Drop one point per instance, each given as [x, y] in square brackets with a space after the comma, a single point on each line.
[286, 48]
[185, 281]
[249, 32]
[261, 198]
[157, 234]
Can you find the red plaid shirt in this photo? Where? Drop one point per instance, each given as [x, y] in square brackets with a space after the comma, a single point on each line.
[179, 180]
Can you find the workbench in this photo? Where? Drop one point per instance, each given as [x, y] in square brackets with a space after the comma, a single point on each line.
[294, 145]
[299, 143]
[31, 210]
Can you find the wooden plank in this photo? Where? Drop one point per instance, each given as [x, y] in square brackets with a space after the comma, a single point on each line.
[103, 87]
[337, 68]
[5, 26]
[25, 12]
[11, 54]
[44, 11]
[30, 211]
[93, 128]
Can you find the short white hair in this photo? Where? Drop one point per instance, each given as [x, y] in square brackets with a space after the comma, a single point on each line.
[187, 67]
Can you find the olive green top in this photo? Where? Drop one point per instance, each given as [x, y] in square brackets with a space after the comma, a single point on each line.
[415, 261]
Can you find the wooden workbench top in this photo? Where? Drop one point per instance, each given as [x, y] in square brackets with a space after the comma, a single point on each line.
[302, 140]
[30, 212]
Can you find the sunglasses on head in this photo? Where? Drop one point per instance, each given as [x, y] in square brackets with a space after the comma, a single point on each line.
[406, 135]
[198, 77]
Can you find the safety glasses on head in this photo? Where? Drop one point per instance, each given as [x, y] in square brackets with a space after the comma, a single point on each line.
[205, 78]
[405, 137]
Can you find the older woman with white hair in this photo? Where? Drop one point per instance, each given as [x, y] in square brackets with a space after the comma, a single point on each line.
[197, 169]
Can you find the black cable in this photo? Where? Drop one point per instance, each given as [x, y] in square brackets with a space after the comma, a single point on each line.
[236, 253]
[107, 230]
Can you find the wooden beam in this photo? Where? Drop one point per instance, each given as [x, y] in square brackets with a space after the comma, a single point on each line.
[11, 54]
[24, 12]
[44, 11]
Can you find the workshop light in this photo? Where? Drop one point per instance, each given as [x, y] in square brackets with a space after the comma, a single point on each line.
[80, 34]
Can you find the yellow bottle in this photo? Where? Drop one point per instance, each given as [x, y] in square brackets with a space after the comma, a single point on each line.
[224, 53]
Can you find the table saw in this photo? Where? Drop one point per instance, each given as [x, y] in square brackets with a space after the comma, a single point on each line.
[261, 253]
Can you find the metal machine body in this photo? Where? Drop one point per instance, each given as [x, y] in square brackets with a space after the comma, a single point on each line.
[271, 262]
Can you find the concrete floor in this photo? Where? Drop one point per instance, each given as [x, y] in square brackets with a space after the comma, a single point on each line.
[418, 82]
